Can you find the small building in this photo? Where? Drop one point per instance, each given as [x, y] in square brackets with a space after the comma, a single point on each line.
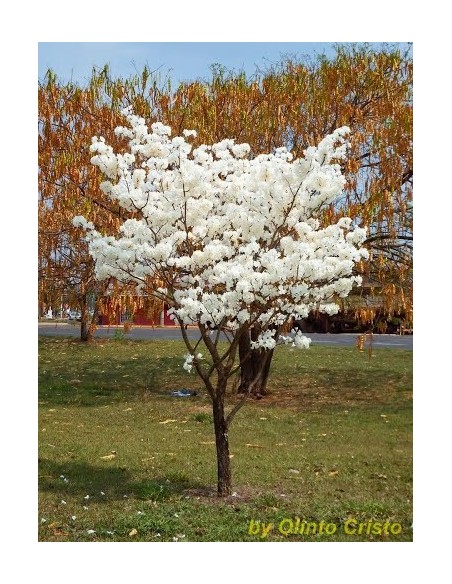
[142, 314]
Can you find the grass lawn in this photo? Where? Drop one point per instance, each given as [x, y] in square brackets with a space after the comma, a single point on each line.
[120, 459]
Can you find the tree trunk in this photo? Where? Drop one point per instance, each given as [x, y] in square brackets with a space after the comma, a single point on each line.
[254, 366]
[86, 331]
[222, 444]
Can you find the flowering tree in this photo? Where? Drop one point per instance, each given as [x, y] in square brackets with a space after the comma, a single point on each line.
[236, 241]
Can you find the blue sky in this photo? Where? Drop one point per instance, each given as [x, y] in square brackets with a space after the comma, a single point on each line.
[183, 61]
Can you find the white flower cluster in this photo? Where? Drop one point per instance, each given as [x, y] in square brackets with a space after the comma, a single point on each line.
[266, 340]
[189, 360]
[235, 239]
[300, 341]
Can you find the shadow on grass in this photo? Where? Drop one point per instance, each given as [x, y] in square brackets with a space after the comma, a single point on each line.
[72, 373]
[65, 395]
[79, 479]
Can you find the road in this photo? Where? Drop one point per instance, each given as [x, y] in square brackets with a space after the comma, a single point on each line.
[144, 332]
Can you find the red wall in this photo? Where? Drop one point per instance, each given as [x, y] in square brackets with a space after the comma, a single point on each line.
[139, 318]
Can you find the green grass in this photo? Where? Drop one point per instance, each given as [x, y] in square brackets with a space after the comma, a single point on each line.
[332, 442]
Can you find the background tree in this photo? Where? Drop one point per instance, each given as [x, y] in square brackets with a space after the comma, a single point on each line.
[69, 116]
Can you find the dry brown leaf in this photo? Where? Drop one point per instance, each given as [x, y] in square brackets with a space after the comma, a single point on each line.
[109, 456]
[133, 532]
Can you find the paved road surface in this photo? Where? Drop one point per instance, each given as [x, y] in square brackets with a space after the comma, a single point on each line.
[138, 332]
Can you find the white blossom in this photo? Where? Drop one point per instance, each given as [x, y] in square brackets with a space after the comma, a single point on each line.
[188, 363]
[301, 341]
[188, 133]
[266, 339]
[238, 237]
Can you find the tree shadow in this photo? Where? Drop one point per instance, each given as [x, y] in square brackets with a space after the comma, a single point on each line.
[90, 381]
[106, 483]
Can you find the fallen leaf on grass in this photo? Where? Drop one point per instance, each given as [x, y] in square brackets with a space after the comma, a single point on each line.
[333, 473]
[133, 532]
[167, 421]
[109, 456]
[60, 532]
[294, 471]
